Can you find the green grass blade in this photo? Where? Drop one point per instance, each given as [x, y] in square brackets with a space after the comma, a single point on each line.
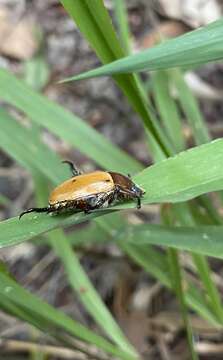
[15, 231]
[28, 150]
[121, 16]
[168, 110]
[55, 319]
[64, 124]
[206, 240]
[78, 278]
[153, 261]
[212, 297]
[36, 72]
[176, 172]
[190, 108]
[94, 22]
[197, 301]
[24, 154]
[213, 294]
[156, 264]
[88, 295]
[172, 180]
[196, 47]
[92, 15]
[177, 276]
[177, 284]
[81, 237]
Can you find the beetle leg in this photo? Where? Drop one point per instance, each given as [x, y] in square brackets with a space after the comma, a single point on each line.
[45, 209]
[52, 209]
[87, 211]
[109, 198]
[138, 203]
[73, 169]
[97, 202]
[129, 195]
[112, 197]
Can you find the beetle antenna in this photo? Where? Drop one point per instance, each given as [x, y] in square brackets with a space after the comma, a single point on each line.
[73, 169]
[45, 209]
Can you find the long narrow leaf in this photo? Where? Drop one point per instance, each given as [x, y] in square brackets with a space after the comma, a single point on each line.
[64, 124]
[172, 180]
[156, 265]
[88, 295]
[94, 22]
[196, 47]
[22, 298]
[206, 240]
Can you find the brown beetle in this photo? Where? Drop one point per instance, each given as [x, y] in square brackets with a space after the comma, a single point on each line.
[87, 192]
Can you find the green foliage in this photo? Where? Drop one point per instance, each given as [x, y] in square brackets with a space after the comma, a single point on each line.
[183, 176]
[194, 48]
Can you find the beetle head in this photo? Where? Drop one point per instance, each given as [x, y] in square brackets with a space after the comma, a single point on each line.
[137, 191]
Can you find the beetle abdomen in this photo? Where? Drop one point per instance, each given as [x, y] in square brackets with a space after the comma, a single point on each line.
[82, 186]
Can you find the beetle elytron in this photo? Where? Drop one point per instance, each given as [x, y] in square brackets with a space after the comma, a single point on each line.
[88, 192]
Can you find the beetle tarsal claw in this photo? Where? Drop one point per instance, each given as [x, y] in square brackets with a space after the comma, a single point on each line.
[39, 210]
[73, 169]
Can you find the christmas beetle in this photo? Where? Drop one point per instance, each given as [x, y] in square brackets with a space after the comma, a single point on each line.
[87, 192]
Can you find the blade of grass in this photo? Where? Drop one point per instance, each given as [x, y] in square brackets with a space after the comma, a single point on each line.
[114, 229]
[121, 16]
[31, 159]
[28, 150]
[206, 240]
[45, 326]
[124, 34]
[196, 47]
[79, 280]
[178, 171]
[88, 295]
[177, 280]
[212, 212]
[80, 237]
[201, 135]
[168, 110]
[147, 259]
[152, 261]
[55, 319]
[190, 108]
[183, 211]
[203, 269]
[94, 22]
[214, 298]
[36, 72]
[64, 124]
[176, 277]
[172, 180]
[197, 123]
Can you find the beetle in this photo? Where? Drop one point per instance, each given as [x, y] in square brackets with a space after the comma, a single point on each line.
[87, 192]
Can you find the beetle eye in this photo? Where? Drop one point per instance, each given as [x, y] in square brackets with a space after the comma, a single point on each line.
[137, 190]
